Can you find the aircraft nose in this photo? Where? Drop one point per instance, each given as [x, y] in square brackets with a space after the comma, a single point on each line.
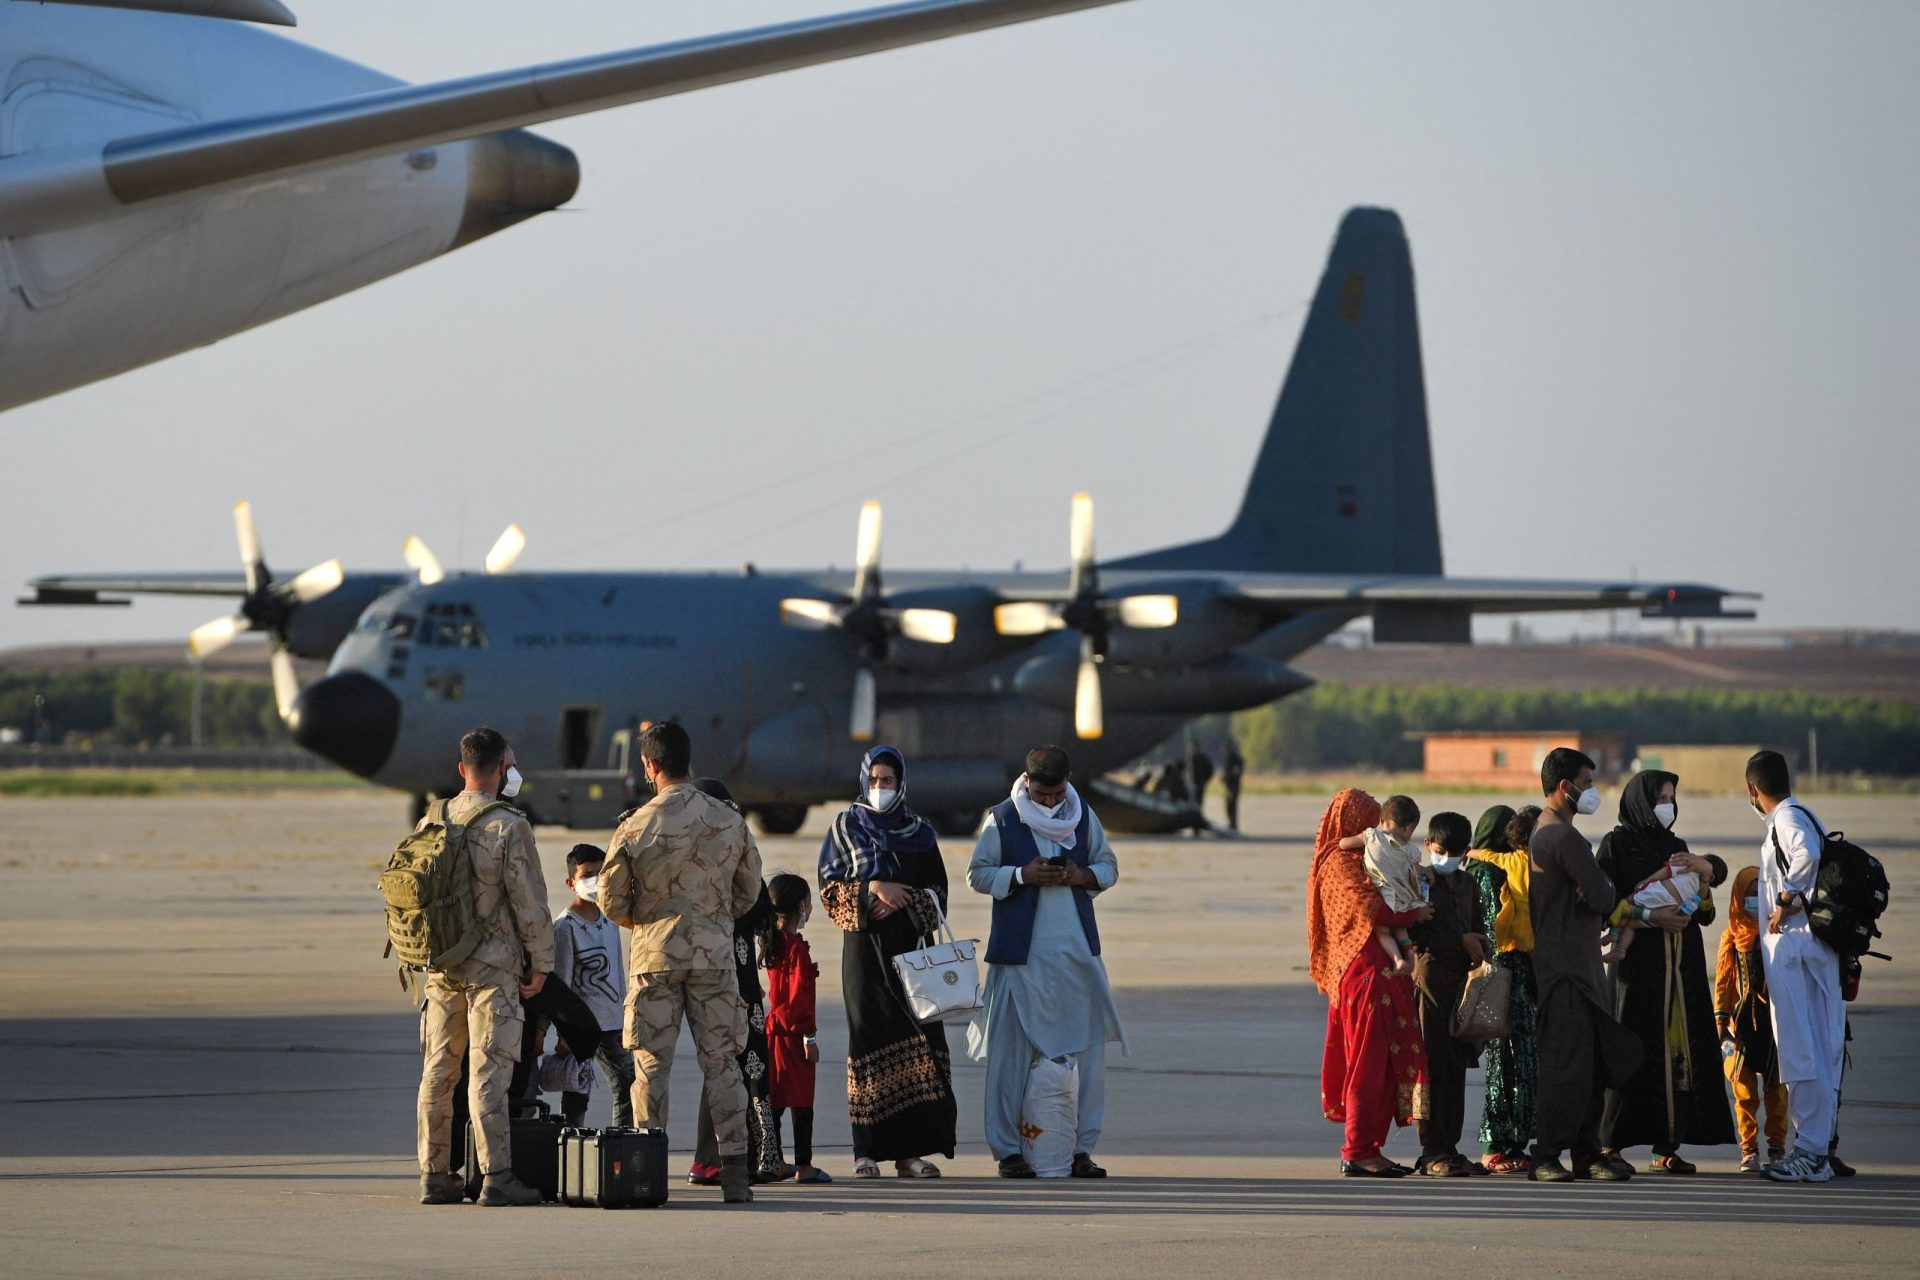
[350, 718]
[512, 176]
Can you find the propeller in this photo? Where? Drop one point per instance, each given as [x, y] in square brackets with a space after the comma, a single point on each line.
[1089, 612]
[869, 619]
[268, 606]
[427, 568]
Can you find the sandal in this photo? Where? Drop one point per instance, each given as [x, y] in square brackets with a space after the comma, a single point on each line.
[915, 1167]
[865, 1168]
[1671, 1164]
[812, 1174]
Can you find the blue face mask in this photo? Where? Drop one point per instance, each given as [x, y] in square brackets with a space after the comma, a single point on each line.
[1752, 905]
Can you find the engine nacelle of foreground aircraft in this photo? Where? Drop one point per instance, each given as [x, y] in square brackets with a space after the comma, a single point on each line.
[1232, 683]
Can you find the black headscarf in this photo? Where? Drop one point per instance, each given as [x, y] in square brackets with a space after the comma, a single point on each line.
[1637, 800]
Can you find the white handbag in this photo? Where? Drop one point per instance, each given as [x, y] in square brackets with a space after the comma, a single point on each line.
[941, 982]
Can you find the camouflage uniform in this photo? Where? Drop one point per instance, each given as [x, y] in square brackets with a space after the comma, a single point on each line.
[678, 871]
[476, 1004]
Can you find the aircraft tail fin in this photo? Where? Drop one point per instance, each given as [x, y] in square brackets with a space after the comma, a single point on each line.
[1344, 480]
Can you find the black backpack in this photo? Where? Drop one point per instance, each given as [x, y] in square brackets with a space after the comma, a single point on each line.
[1849, 893]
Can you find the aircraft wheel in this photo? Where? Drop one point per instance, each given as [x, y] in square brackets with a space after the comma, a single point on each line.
[780, 819]
[956, 824]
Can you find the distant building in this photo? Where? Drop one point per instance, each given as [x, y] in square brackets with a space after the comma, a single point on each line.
[1720, 770]
[1512, 759]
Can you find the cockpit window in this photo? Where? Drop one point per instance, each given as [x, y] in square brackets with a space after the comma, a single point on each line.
[452, 626]
[371, 624]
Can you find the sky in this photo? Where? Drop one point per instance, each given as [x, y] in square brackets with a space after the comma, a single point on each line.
[1669, 290]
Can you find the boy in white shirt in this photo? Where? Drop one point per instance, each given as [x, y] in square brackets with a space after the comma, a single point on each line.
[586, 955]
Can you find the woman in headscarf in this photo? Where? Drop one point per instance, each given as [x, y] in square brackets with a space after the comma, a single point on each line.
[1663, 992]
[882, 881]
[1373, 1073]
[1512, 1062]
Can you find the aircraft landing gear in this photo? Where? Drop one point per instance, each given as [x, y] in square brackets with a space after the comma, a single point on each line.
[780, 819]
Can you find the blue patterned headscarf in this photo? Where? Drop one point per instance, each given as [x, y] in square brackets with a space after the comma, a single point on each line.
[865, 843]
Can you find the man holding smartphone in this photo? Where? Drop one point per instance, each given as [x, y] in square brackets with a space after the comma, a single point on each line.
[1042, 858]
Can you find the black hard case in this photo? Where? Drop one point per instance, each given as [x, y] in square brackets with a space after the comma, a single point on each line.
[613, 1168]
[536, 1153]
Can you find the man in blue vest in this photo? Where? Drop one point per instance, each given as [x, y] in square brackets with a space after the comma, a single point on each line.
[1042, 856]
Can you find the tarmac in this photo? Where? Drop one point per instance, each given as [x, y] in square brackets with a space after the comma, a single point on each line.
[209, 1071]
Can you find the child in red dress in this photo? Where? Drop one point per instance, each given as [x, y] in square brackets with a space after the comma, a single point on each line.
[790, 1021]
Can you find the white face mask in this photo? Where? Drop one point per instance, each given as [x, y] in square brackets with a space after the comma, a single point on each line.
[1665, 814]
[883, 798]
[1446, 866]
[588, 887]
[511, 787]
[1589, 802]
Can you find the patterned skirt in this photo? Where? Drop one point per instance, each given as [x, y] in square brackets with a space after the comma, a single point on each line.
[899, 1077]
[1513, 1065]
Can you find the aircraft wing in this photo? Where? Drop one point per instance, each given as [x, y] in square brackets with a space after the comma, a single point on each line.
[1441, 609]
[267, 11]
[63, 186]
[111, 588]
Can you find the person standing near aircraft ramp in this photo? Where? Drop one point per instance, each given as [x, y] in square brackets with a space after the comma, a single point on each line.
[681, 868]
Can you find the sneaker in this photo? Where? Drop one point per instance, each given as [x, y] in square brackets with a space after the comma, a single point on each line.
[1749, 1162]
[503, 1189]
[1800, 1167]
[1551, 1170]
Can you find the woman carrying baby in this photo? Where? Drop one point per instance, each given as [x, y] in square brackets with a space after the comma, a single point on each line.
[1663, 990]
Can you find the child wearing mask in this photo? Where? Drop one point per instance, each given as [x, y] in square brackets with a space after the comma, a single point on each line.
[1745, 1024]
[1448, 946]
[791, 974]
[586, 955]
[1393, 864]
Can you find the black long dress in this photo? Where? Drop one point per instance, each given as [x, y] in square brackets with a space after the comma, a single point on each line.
[1676, 1096]
[899, 1075]
[763, 1136]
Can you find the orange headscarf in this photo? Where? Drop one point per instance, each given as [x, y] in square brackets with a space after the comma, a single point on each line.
[1340, 898]
[1744, 928]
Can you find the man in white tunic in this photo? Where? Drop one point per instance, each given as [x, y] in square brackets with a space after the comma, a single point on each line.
[1042, 857]
[1803, 973]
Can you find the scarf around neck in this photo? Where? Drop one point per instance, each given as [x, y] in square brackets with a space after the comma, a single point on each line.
[1058, 828]
[867, 843]
[1340, 897]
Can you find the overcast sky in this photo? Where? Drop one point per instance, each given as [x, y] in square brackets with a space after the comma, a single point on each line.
[1669, 291]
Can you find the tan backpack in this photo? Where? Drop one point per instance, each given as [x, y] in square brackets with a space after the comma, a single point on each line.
[428, 889]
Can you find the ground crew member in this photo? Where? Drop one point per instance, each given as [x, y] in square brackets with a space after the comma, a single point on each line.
[680, 868]
[475, 1005]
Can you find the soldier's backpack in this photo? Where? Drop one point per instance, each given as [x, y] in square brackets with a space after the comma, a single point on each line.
[428, 889]
[1849, 893]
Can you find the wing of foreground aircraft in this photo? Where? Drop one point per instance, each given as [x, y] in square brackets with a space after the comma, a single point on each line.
[66, 186]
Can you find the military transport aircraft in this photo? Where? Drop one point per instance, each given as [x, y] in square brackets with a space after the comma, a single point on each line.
[174, 176]
[775, 673]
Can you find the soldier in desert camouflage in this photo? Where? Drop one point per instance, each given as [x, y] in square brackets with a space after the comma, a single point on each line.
[680, 868]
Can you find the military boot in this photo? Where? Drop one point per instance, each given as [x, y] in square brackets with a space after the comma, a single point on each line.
[442, 1188]
[735, 1182]
[505, 1189]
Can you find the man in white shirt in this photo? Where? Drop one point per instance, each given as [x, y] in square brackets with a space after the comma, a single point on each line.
[1803, 973]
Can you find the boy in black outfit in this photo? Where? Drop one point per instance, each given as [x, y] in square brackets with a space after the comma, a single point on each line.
[1446, 947]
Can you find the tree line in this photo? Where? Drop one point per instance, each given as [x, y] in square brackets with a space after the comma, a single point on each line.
[1336, 726]
[133, 707]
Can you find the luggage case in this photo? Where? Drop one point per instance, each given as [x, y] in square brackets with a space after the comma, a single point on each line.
[536, 1152]
[613, 1168]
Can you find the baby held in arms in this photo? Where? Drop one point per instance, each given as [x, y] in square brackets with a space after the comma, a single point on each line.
[1393, 864]
[1664, 888]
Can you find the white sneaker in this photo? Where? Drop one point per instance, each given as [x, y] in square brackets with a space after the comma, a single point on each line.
[1749, 1162]
[1800, 1167]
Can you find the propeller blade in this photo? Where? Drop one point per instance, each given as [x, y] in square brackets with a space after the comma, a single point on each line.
[1148, 612]
[250, 558]
[1088, 721]
[210, 638]
[506, 550]
[928, 626]
[317, 581]
[865, 702]
[1080, 542]
[422, 561]
[1026, 618]
[286, 685]
[866, 551]
[809, 615]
